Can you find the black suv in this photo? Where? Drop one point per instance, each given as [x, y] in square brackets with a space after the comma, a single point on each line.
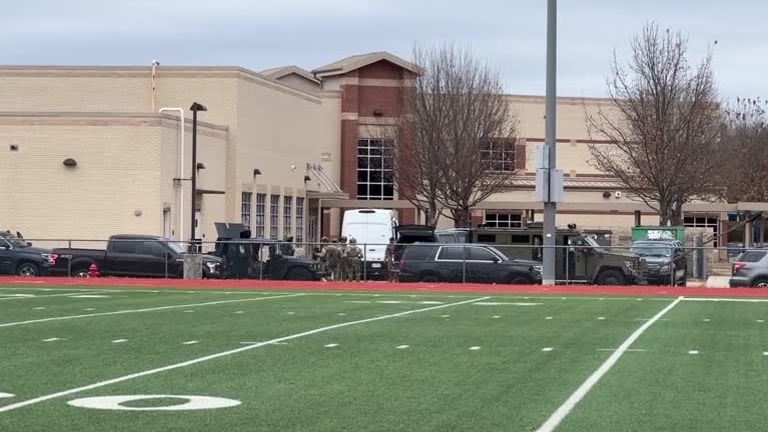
[18, 257]
[473, 263]
[663, 257]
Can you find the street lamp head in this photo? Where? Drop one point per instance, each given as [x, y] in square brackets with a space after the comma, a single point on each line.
[197, 107]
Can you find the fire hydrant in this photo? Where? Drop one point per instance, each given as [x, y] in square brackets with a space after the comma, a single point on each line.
[93, 271]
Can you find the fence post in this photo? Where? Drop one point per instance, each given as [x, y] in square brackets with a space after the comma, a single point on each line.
[69, 259]
[464, 264]
[165, 251]
[567, 265]
[365, 261]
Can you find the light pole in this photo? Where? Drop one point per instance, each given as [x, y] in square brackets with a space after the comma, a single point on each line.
[550, 142]
[194, 108]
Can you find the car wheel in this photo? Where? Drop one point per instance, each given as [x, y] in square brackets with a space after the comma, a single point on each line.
[81, 272]
[429, 278]
[611, 277]
[519, 279]
[299, 274]
[760, 283]
[27, 270]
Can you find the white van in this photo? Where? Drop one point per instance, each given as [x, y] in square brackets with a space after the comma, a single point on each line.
[372, 228]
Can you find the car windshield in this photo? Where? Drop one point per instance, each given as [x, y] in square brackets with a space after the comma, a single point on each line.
[646, 249]
[176, 247]
[14, 241]
[591, 242]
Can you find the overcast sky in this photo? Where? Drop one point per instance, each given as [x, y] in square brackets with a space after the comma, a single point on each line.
[509, 34]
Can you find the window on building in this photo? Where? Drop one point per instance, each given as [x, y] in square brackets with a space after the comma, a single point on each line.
[261, 204]
[503, 220]
[274, 216]
[314, 218]
[299, 219]
[245, 209]
[499, 155]
[711, 223]
[375, 178]
[287, 216]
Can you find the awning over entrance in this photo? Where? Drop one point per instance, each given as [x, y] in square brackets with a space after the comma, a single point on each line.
[321, 186]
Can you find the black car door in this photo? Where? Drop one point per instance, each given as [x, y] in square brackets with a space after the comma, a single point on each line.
[450, 263]
[483, 266]
[7, 258]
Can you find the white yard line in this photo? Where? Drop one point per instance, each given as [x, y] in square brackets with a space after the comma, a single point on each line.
[223, 354]
[34, 296]
[554, 420]
[158, 308]
[727, 300]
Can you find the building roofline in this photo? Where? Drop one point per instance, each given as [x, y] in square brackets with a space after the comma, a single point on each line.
[239, 71]
[358, 61]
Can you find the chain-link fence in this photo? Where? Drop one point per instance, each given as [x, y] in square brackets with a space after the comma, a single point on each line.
[658, 263]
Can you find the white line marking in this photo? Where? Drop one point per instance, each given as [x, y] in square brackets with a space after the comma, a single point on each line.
[89, 309]
[40, 308]
[291, 313]
[53, 339]
[116, 341]
[627, 350]
[402, 346]
[68, 317]
[693, 352]
[332, 345]
[706, 320]
[33, 296]
[357, 301]
[601, 318]
[192, 342]
[547, 349]
[445, 316]
[222, 354]
[761, 321]
[6, 395]
[341, 314]
[765, 353]
[497, 316]
[506, 304]
[548, 318]
[239, 312]
[474, 348]
[737, 300]
[89, 296]
[554, 420]
[189, 311]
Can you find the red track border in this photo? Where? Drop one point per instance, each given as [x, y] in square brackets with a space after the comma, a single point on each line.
[581, 290]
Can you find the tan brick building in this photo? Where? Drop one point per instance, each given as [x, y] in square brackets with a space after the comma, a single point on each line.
[283, 150]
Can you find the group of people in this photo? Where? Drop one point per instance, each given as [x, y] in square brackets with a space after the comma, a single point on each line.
[342, 259]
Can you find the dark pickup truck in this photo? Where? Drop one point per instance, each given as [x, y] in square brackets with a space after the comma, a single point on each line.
[131, 255]
[18, 257]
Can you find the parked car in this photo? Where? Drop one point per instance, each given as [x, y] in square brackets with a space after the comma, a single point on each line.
[663, 257]
[476, 263]
[245, 258]
[18, 257]
[132, 256]
[750, 269]
[410, 234]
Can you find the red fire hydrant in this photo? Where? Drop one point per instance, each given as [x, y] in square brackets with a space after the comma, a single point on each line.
[93, 271]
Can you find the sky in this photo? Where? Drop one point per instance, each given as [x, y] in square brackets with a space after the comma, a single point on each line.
[510, 35]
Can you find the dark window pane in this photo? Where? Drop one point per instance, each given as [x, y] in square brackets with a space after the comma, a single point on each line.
[375, 190]
[376, 177]
[451, 253]
[362, 162]
[125, 246]
[486, 238]
[389, 191]
[362, 176]
[753, 256]
[153, 248]
[481, 254]
[376, 152]
[362, 189]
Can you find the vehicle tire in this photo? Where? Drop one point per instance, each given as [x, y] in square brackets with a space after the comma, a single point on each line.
[299, 274]
[27, 270]
[611, 277]
[519, 279]
[760, 283]
[80, 272]
[429, 278]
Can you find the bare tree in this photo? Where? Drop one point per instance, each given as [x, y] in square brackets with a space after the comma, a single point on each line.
[664, 125]
[452, 114]
[745, 142]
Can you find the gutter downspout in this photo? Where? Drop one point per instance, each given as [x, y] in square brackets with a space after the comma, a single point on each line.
[180, 163]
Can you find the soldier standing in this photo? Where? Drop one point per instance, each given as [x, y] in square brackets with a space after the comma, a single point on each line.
[354, 257]
[344, 261]
[333, 260]
[389, 260]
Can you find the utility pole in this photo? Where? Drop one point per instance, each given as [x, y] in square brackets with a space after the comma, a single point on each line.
[550, 152]
[194, 108]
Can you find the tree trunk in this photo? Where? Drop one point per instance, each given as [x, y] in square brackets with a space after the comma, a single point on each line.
[432, 215]
[462, 217]
[676, 218]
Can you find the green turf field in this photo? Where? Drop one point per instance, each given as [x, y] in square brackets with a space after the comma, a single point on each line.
[321, 361]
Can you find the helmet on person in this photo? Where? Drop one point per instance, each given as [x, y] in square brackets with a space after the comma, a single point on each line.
[352, 240]
[342, 239]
